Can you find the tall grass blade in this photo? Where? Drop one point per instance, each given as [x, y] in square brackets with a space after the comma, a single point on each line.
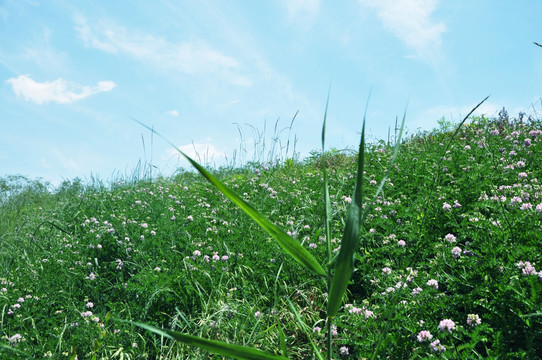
[282, 339]
[288, 244]
[216, 347]
[327, 201]
[345, 259]
[344, 264]
[306, 330]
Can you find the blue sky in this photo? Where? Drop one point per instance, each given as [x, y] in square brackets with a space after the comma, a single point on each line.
[209, 75]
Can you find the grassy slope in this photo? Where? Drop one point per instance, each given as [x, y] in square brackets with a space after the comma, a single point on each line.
[175, 253]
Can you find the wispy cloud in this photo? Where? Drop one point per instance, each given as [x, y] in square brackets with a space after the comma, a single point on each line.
[172, 113]
[194, 57]
[302, 12]
[204, 153]
[40, 51]
[59, 91]
[410, 21]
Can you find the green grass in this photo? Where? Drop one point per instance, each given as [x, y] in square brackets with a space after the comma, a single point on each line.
[176, 253]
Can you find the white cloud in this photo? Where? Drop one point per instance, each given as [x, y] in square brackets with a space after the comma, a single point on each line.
[204, 153]
[59, 91]
[193, 57]
[410, 21]
[302, 11]
[172, 113]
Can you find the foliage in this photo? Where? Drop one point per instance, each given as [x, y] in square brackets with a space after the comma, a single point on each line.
[455, 235]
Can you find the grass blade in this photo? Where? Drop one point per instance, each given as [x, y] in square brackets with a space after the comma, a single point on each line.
[216, 347]
[344, 264]
[282, 339]
[288, 244]
[306, 330]
[327, 202]
[345, 259]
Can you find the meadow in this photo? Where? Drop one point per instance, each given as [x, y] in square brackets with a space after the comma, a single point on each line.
[448, 263]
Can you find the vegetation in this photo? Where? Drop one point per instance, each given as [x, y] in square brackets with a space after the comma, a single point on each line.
[448, 263]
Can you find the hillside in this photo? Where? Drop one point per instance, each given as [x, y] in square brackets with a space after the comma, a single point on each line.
[449, 261]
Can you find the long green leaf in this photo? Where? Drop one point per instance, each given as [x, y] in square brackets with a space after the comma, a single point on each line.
[344, 264]
[345, 259]
[282, 339]
[216, 347]
[305, 330]
[288, 244]
[327, 201]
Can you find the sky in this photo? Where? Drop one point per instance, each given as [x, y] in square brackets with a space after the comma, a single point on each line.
[223, 80]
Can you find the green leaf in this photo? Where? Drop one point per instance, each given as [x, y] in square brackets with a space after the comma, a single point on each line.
[282, 340]
[288, 244]
[305, 330]
[327, 201]
[344, 264]
[216, 347]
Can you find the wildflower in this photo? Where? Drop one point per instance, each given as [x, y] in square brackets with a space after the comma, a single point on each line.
[516, 200]
[15, 339]
[424, 335]
[416, 291]
[450, 238]
[457, 205]
[539, 208]
[446, 325]
[456, 252]
[312, 246]
[257, 314]
[386, 271]
[91, 276]
[196, 253]
[446, 207]
[401, 243]
[157, 269]
[529, 270]
[437, 347]
[526, 206]
[343, 350]
[190, 218]
[317, 329]
[354, 310]
[527, 142]
[334, 330]
[225, 258]
[86, 314]
[433, 283]
[89, 305]
[473, 319]
[522, 175]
